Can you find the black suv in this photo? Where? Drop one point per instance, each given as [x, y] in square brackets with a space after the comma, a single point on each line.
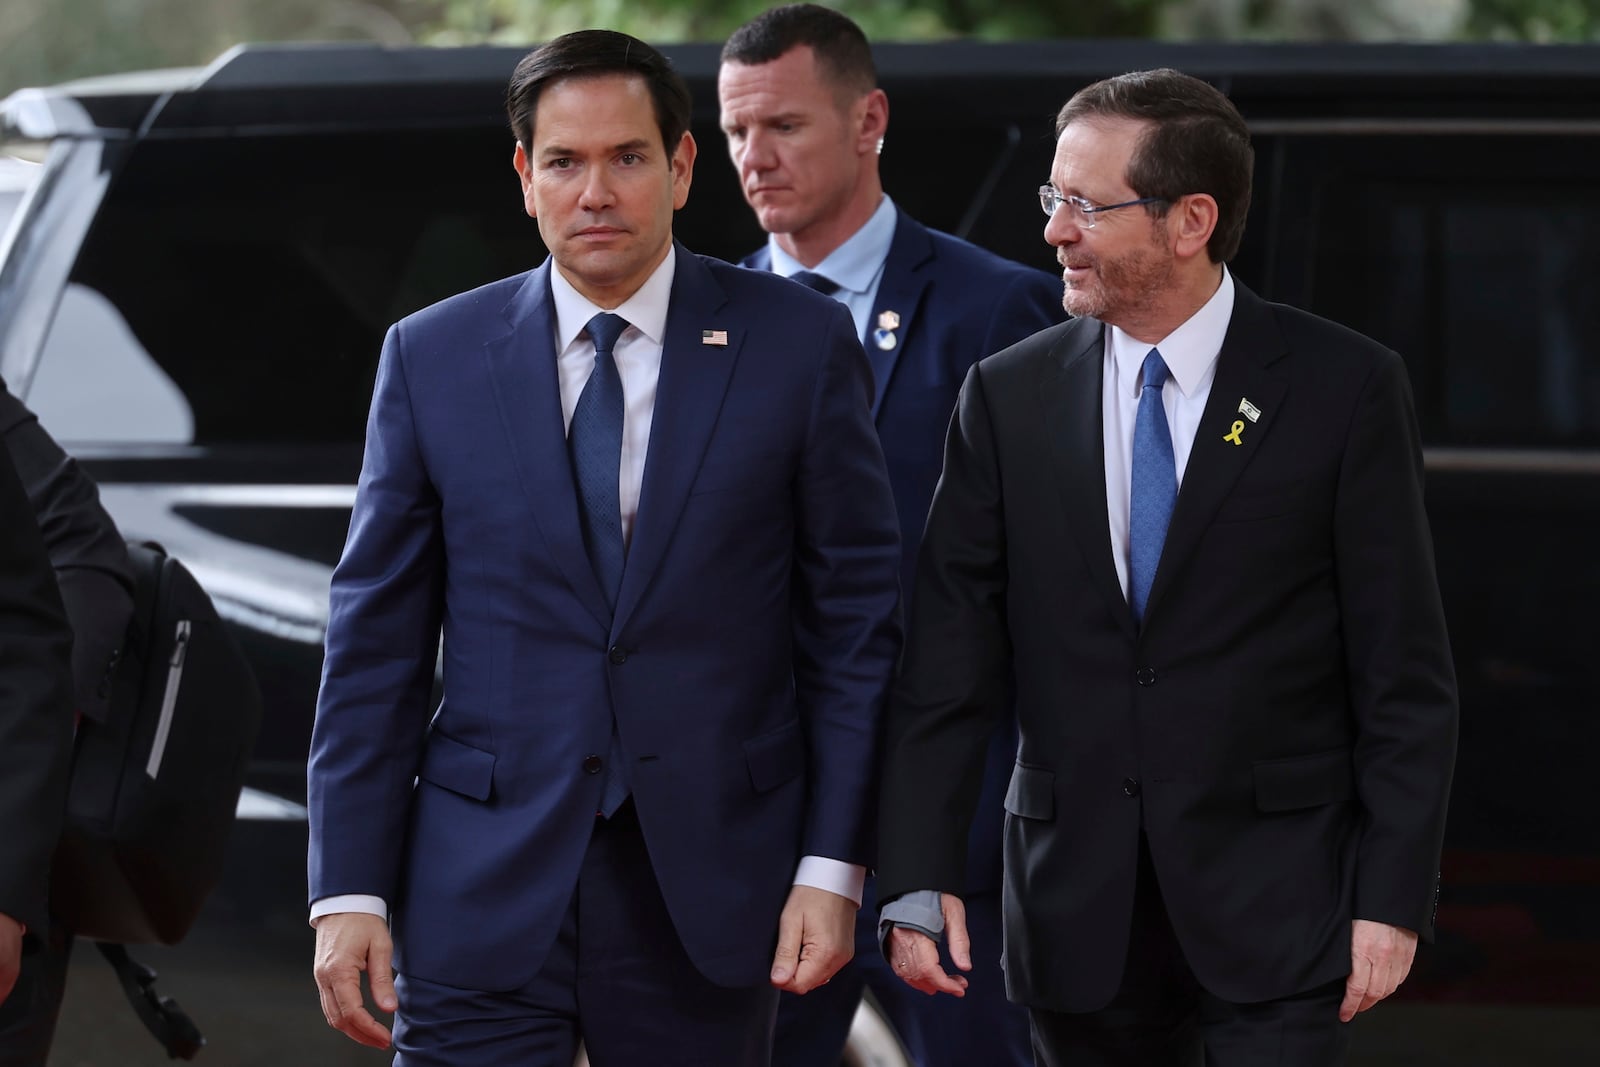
[197, 268]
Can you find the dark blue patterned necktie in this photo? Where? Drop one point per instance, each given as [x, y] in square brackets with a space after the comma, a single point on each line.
[1155, 486]
[825, 286]
[595, 441]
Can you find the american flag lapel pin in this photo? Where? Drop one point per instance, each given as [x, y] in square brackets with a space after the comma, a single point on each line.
[714, 337]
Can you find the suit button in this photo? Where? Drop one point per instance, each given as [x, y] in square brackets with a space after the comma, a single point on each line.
[1145, 676]
[617, 655]
[591, 765]
[1130, 786]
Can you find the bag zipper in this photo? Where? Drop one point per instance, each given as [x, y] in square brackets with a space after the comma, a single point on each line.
[169, 699]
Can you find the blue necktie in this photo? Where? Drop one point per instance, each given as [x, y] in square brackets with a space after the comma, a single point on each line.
[595, 441]
[1155, 486]
[825, 286]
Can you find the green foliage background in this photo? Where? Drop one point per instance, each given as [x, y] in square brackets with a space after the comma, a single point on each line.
[45, 41]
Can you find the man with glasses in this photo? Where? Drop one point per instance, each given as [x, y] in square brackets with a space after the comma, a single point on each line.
[805, 121]
[1187, 527]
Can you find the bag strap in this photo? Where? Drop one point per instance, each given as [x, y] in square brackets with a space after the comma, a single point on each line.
[175, 1031]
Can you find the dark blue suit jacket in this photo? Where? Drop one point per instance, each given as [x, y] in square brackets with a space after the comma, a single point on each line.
[956, 303]
[754, 637]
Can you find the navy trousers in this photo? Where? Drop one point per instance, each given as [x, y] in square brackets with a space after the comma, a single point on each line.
[617, 978]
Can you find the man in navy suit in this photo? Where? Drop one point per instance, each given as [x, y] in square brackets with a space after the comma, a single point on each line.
[804, 121]
[640, 493]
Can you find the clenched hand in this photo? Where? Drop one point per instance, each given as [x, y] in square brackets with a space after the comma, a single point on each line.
[1380, 959]
[816, 936]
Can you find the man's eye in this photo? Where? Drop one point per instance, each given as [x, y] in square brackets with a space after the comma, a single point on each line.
[631, 159]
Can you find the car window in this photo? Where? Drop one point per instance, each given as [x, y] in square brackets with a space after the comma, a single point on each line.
[1473, 258]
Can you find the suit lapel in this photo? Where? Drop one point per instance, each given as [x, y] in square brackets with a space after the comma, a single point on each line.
[522, 366]
[898, 300]
[694, 378]
[1244, 372]
[1070, 394]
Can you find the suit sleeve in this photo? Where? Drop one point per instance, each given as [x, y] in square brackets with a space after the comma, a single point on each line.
[952, 686]
[85, 548]
[846, 599]
[383, 638]
[35, 708]
[1030, 303]
[1402, 681]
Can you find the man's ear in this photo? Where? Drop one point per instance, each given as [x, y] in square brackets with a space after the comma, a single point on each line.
[873, 123]
[524, 168]
[1190, 223]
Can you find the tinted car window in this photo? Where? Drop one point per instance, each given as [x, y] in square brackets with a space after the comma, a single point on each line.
[1473, 258]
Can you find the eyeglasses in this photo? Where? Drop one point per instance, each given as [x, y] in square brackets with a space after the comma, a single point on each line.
[1084, 213]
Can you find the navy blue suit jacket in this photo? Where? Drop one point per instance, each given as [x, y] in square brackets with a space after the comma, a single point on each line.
[957, 303]
[754, 637]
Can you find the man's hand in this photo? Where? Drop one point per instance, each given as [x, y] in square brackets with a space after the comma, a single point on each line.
[816, 936]
[10, 954]
[347, 944]
[1380, 959]
[915, 956]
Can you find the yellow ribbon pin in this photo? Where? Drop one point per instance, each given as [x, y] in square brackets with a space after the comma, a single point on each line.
[1238, 426]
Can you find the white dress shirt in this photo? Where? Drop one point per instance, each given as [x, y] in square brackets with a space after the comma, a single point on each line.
[1190, 353]
[638, 357]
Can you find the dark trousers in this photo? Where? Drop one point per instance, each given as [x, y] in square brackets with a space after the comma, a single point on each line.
[617, 977]
[982, 1027]
[1162, 1017]
[28, 1017]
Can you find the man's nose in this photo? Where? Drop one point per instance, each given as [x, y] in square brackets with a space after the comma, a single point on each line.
[597, 192]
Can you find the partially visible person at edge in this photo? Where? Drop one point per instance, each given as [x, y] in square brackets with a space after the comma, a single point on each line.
[95, 582]
[1189, 525]
[805, 121]
[641, 492]
[35, 746]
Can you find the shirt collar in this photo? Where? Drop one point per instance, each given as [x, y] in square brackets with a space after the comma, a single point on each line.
[1190, 351]
[854, 265]
[645, 310]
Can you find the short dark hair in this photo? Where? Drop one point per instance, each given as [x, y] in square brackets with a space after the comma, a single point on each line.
[1197, 142]
[594, 54]
[841, 48]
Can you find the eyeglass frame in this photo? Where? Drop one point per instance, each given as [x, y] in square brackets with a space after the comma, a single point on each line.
[1050, 201]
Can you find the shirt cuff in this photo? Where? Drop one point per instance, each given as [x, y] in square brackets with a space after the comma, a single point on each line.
[360, 902]
[918, 910]
[836, 876]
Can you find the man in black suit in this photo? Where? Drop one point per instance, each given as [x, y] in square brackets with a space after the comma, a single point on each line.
[95, 581]
[1189, 524]
[35, 733]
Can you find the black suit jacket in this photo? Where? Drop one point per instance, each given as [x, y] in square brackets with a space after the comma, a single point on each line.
[1282, 727]
[35, 707]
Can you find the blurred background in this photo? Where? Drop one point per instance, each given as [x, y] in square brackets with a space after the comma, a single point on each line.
[244, 972]
[44, 41]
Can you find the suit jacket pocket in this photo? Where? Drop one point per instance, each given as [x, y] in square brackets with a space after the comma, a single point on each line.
[776, 757]
[1032, 794]
[460, 768]
[1304, 781]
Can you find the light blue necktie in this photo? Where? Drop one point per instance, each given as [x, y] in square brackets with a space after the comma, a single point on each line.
[595, 442]
[1155, 485]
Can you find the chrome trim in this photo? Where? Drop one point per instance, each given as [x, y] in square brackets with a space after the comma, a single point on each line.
[1511, 461]
[1410, 127]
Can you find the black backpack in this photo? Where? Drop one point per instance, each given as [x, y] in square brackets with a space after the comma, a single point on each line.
[154, 787]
